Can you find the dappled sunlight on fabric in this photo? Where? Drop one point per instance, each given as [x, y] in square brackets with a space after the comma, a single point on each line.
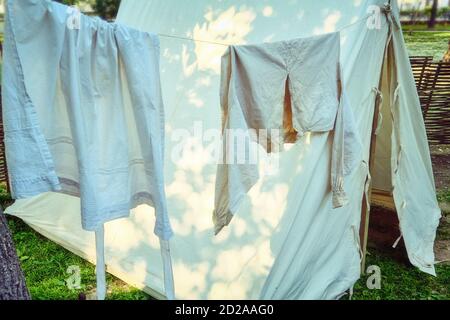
[140, 224]
[138, 269]
[188, 69]
[239, 227]
[169, 56]
[267, 11]
[195, 156]
[265, 258]
[229, 263]
[193, 192]
[190, 279]
[235, 282]
[230, 26]
[225, 234]
[268, 206]
[194, 99]
[300, 148]
[329, 23]
[125, 226]
[259, 266]
[203, 82]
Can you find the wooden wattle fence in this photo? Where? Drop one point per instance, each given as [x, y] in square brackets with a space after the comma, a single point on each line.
[433, 87]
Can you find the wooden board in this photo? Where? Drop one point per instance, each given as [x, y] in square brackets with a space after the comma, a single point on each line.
[382, 199]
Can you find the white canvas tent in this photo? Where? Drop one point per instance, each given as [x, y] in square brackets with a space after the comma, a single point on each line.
[286, 242]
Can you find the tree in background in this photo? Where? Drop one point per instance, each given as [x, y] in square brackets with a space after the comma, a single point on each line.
[107, 9]
[12, 281]
[433, 15]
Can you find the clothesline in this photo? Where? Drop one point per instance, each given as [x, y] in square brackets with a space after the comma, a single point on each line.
[229, 44]
[226, 44]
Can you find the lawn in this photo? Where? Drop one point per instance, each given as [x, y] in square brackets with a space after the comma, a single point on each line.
[424, 43]
[424, 27]
[45, 267]
[45, 263]
[403, 282]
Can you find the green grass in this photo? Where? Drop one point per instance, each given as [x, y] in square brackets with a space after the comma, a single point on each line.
[45, 264]
[427, 43]
[401, 282]
[424, 27]
[5, 198]
[444, 195]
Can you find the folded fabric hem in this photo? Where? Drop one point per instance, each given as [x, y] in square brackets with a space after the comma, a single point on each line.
[223, 221]
[29, 187]
[340, 199]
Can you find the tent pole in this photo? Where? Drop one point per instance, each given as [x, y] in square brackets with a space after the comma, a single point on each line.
[366, 201]
[365, 211]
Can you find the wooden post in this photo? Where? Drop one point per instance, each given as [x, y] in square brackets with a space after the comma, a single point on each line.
[365, 211]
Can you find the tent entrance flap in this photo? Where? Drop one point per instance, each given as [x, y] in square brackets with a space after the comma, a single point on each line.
[382, 178]
[382, 186]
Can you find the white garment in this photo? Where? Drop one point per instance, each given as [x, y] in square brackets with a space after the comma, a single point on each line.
[83, 115]
[83, 112]
[274, 93]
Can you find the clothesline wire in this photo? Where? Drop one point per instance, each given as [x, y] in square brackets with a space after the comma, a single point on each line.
[194, 40]
[229, 44]
[226, 44]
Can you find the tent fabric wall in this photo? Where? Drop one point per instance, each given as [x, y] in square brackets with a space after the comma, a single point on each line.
[286, 241]
[412, 173]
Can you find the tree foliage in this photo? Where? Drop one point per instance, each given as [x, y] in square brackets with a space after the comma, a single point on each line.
[107, 9]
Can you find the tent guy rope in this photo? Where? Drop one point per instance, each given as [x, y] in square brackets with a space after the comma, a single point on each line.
[230, 44]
